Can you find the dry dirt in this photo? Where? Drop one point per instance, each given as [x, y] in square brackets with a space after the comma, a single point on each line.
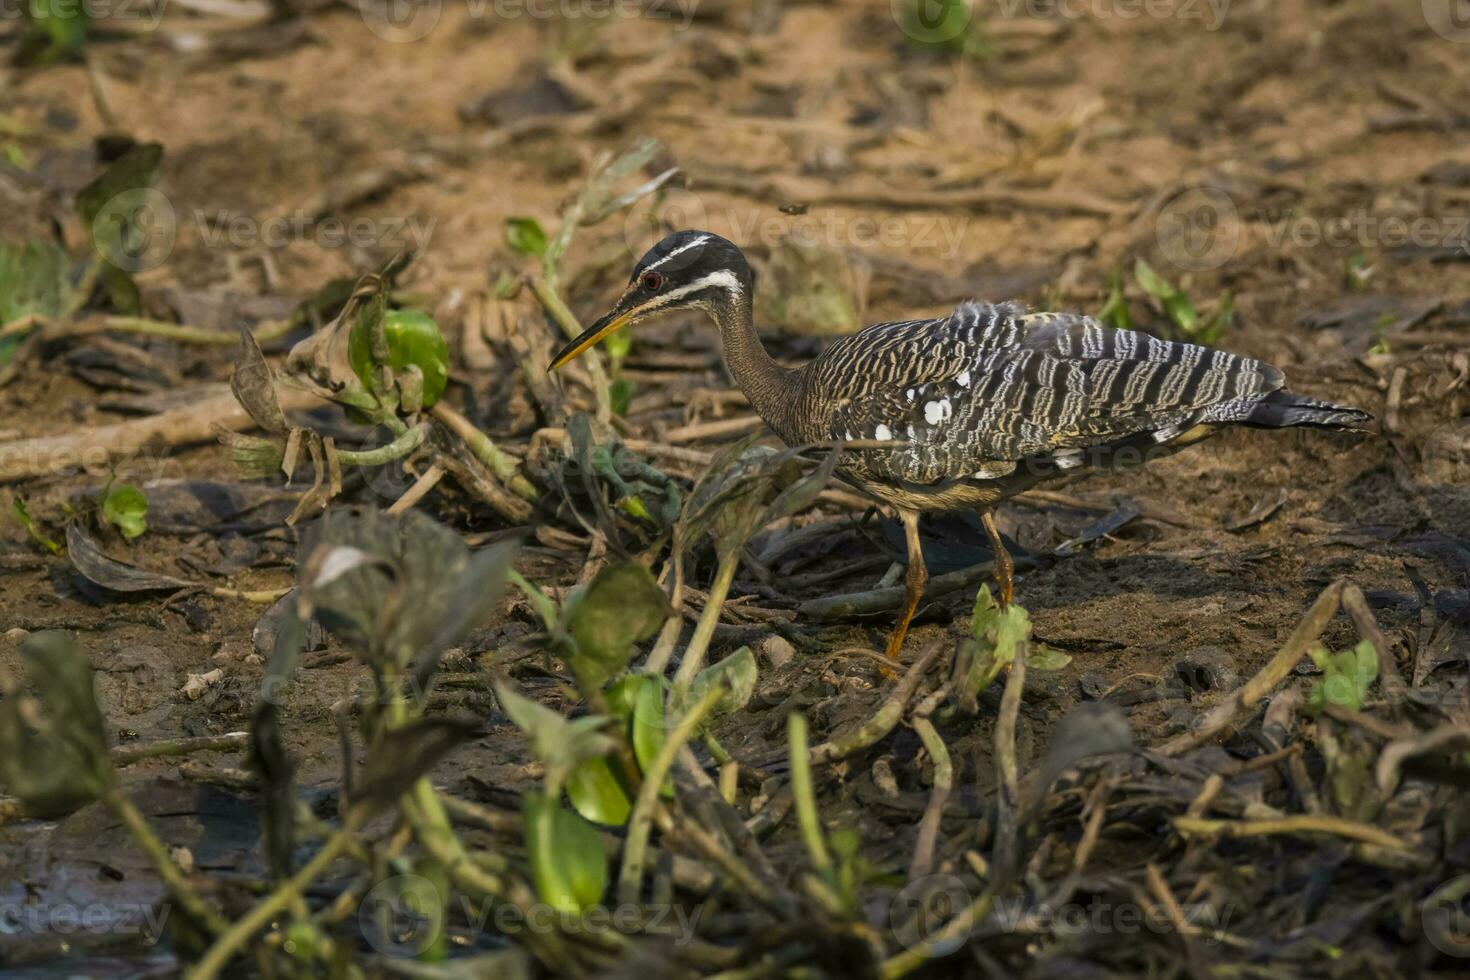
[1040, 168]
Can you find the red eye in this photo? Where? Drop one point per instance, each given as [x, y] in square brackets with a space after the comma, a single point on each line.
[653, 282]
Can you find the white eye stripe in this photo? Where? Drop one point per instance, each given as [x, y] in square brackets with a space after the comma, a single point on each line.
[724, 278]
[682, 248]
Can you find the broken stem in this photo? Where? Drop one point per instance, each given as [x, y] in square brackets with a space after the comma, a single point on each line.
[502, 466]
[400, 447]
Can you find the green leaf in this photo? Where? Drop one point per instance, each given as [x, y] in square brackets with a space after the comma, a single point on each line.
[568, 863]
[525, 236]
[597, 794]
[22, 514]
[622, 605]
[111, 208]
[997, 638]
[413, 340]
[1346, 677]
[540, 601]
[398, 588]
[560, 743]
[639, 701]
[125, 507]
[58, 31]
[621, 393]
[55, 757]
[737, 674]
[35, 278]
[1042, 657]
[1181, 311]
[1151, 282]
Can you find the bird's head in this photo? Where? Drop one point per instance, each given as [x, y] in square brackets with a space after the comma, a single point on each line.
[688, 269]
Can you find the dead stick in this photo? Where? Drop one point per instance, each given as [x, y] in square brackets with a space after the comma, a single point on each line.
[96, 447]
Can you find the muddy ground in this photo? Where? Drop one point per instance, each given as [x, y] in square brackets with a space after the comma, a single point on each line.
[1310, 158]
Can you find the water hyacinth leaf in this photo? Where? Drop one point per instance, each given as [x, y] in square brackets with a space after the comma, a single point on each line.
[254, 385]
[525, 236]
[621, 606]
[125, 507]
[87, 557]
[377, 582]
[1042, 657]
[736, 675]
[400, 756]
[1151, 282]
[1346, 677]
[568, 863]
[597, 794]
[411, 342]
[477, 590]
[110, 207]
[35, 278]
[639, 701]
[56, 756]
[560, 743]
[22, 515]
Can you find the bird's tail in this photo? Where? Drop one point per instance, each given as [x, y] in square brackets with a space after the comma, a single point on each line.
[1282, 409]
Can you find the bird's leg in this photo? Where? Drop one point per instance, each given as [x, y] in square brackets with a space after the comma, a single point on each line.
[914, 581]
[1005, 566]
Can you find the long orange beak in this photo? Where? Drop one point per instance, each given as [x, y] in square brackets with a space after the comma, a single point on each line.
[590, 336]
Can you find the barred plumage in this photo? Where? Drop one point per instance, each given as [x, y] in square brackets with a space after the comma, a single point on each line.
[979, 405]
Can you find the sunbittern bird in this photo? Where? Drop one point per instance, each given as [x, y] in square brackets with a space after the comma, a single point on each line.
[979, 405]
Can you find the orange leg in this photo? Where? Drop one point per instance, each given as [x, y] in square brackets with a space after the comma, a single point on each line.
[914, 581]
[1005, 566]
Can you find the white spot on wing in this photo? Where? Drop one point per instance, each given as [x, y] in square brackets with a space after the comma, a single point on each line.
[963, 380]
[883, 433]
[1166, 433]
[910, 393]
[933, 412]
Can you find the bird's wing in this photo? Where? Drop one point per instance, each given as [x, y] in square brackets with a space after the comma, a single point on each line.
[977, 392]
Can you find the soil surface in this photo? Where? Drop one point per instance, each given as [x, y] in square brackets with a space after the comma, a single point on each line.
[1307, 158]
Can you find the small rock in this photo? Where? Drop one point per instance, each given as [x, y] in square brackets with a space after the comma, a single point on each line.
[777, 650]
[17, 635]
[197, 684]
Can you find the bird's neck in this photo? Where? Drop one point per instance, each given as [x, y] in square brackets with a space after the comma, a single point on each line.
[771, 388]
